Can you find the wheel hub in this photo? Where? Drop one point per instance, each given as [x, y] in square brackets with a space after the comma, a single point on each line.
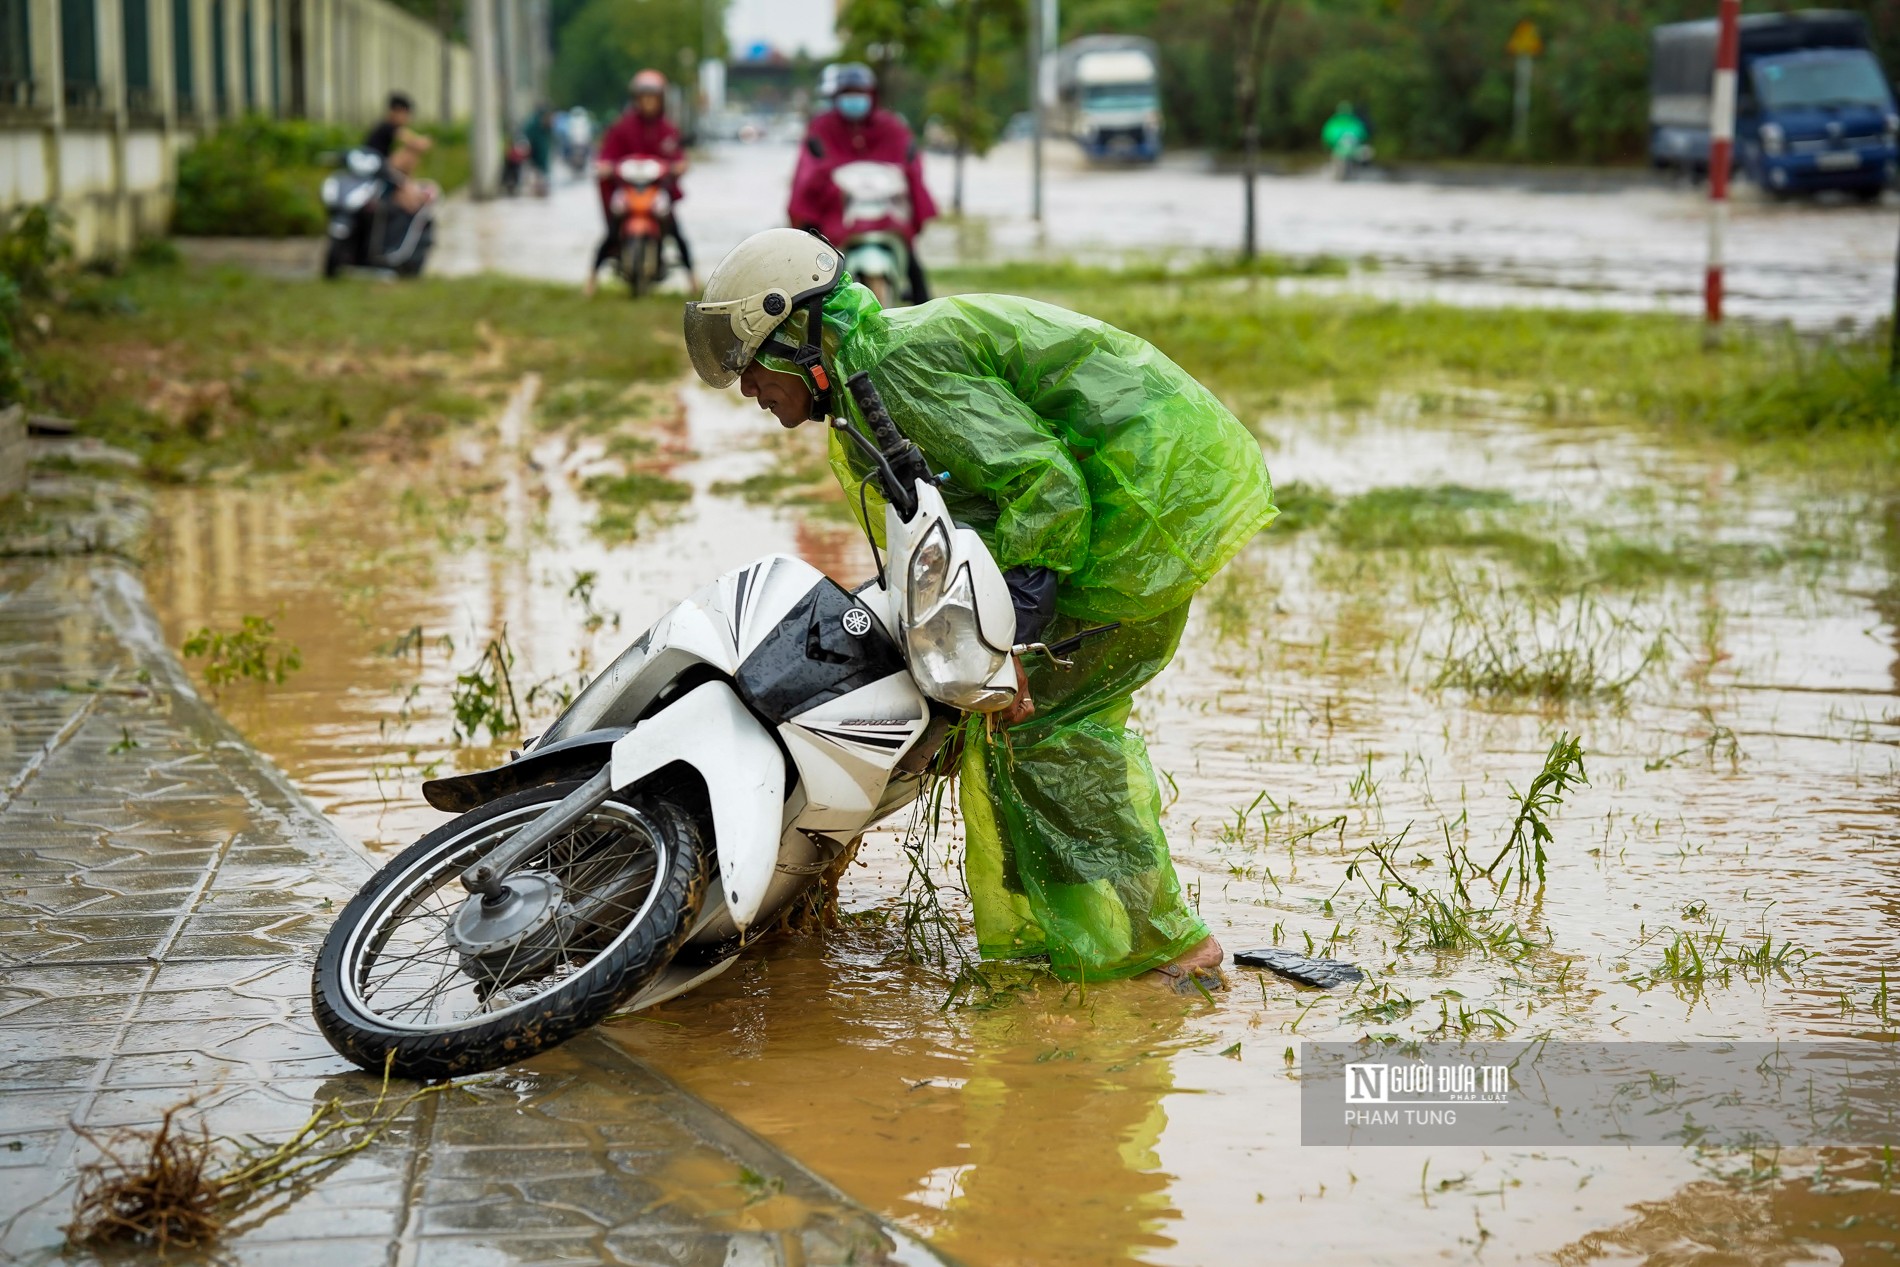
[506, 939]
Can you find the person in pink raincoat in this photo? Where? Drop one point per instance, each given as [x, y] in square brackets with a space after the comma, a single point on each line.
[857, 129]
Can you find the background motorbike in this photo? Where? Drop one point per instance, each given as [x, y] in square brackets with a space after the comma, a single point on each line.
[367, 229]
[695, 789]
[877, 228]
[644, 207]
[1350, 155]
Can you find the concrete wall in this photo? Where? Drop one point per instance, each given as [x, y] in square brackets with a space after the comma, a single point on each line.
[107, 155]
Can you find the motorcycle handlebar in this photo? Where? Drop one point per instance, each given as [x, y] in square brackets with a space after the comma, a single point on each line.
[899, 463]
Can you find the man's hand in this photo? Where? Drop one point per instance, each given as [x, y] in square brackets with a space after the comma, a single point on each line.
[1025, 706]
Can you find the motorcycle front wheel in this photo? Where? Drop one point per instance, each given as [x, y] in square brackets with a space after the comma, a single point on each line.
[419, 974]
[641, 262]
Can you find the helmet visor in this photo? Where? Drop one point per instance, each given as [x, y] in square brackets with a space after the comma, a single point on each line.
[715, 346]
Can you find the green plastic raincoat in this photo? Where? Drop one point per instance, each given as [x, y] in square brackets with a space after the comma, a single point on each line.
[1074, 446]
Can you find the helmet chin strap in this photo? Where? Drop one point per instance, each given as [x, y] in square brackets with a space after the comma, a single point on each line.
[808, 356]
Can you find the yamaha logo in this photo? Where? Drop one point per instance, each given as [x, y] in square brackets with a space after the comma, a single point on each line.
[857, 622]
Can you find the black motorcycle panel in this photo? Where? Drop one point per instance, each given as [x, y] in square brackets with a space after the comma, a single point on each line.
[814, 656]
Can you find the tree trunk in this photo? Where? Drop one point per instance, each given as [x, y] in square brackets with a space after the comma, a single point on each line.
[445, 23]
[966, 109]
[297, 55]
[1254, 22]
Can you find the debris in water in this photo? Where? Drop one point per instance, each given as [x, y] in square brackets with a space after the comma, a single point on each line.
[173, 1187]
[1305, 969]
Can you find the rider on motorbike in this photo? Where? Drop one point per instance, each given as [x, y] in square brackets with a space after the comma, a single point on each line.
[402, 149]
[643, 131]
[1109, 486]
[1345, 135]
[857, 129]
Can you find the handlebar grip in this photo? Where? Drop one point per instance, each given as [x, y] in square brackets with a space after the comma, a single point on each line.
[871, 405]
[907, 461]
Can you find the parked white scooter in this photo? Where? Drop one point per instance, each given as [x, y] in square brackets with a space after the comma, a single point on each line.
[690, 793]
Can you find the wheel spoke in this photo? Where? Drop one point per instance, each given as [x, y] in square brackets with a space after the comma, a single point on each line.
[405, 970]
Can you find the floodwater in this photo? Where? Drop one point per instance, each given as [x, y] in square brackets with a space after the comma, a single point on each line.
[1746, 781]
[1613, 242]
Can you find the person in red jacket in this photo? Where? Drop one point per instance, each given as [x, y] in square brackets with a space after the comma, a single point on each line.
[857, 129]
[643, 131]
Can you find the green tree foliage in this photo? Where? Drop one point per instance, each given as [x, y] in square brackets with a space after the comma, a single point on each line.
[957, 61]
[601, 43]
[33, 246]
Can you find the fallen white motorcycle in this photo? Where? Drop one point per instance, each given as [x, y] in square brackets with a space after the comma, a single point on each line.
[691, 792]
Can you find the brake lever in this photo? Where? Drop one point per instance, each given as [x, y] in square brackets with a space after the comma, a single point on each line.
[1057, 651]
[1042, 648]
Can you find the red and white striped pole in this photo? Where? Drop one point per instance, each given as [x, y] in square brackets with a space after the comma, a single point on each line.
[1721, 145]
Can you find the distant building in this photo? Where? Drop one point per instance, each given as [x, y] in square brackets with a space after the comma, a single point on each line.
[98, 96]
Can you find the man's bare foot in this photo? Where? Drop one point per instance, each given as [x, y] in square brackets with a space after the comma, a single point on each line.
[593, 283]
[1199, 967]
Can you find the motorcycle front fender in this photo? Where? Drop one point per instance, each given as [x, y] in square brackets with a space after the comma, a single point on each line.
[710, 729]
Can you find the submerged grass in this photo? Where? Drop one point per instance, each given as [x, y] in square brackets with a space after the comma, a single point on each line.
[628, 500]
[1541, 547]
[1828, 400]
[1517, 644]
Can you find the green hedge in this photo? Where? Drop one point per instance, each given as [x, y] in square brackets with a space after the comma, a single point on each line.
[260, 177]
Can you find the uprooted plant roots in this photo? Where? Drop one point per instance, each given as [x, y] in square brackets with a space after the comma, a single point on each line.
[151, 1187]
[175, 1187]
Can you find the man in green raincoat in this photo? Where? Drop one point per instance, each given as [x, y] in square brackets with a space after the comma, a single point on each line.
[1109, 486]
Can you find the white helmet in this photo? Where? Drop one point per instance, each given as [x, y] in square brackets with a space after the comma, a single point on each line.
[754, 289]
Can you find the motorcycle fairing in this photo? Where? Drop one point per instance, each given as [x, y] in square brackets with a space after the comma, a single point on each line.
[825, 645]
[846, 747]
[710, 729]
[576, 757]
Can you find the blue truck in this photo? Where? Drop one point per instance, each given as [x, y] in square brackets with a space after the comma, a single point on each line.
[1813, 109]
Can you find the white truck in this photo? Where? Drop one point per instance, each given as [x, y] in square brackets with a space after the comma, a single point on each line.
[1109, 92]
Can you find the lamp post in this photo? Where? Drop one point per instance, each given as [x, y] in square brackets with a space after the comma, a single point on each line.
[1721, 146]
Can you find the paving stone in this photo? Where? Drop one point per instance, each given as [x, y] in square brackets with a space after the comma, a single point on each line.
[160, 908]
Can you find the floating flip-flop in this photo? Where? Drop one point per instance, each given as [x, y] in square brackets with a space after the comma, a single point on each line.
[1305, 969]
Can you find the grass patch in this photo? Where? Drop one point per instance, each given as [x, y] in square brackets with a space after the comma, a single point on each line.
[1448, 515]
[627, 501]
[1551, 555]
[1023, 275]
[1302, 506]
[197, 370]
[1830, 399]
[800, 475]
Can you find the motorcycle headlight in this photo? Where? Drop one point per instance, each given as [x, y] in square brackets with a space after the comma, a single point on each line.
[948, 657]
[329, 191]
[929, 568]
[1773, 139]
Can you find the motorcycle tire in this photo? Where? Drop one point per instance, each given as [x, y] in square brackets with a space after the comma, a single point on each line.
[335, 256]
[629, 957]
[642, 265]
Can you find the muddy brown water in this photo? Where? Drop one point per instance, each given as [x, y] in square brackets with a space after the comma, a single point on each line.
[1748, 782]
